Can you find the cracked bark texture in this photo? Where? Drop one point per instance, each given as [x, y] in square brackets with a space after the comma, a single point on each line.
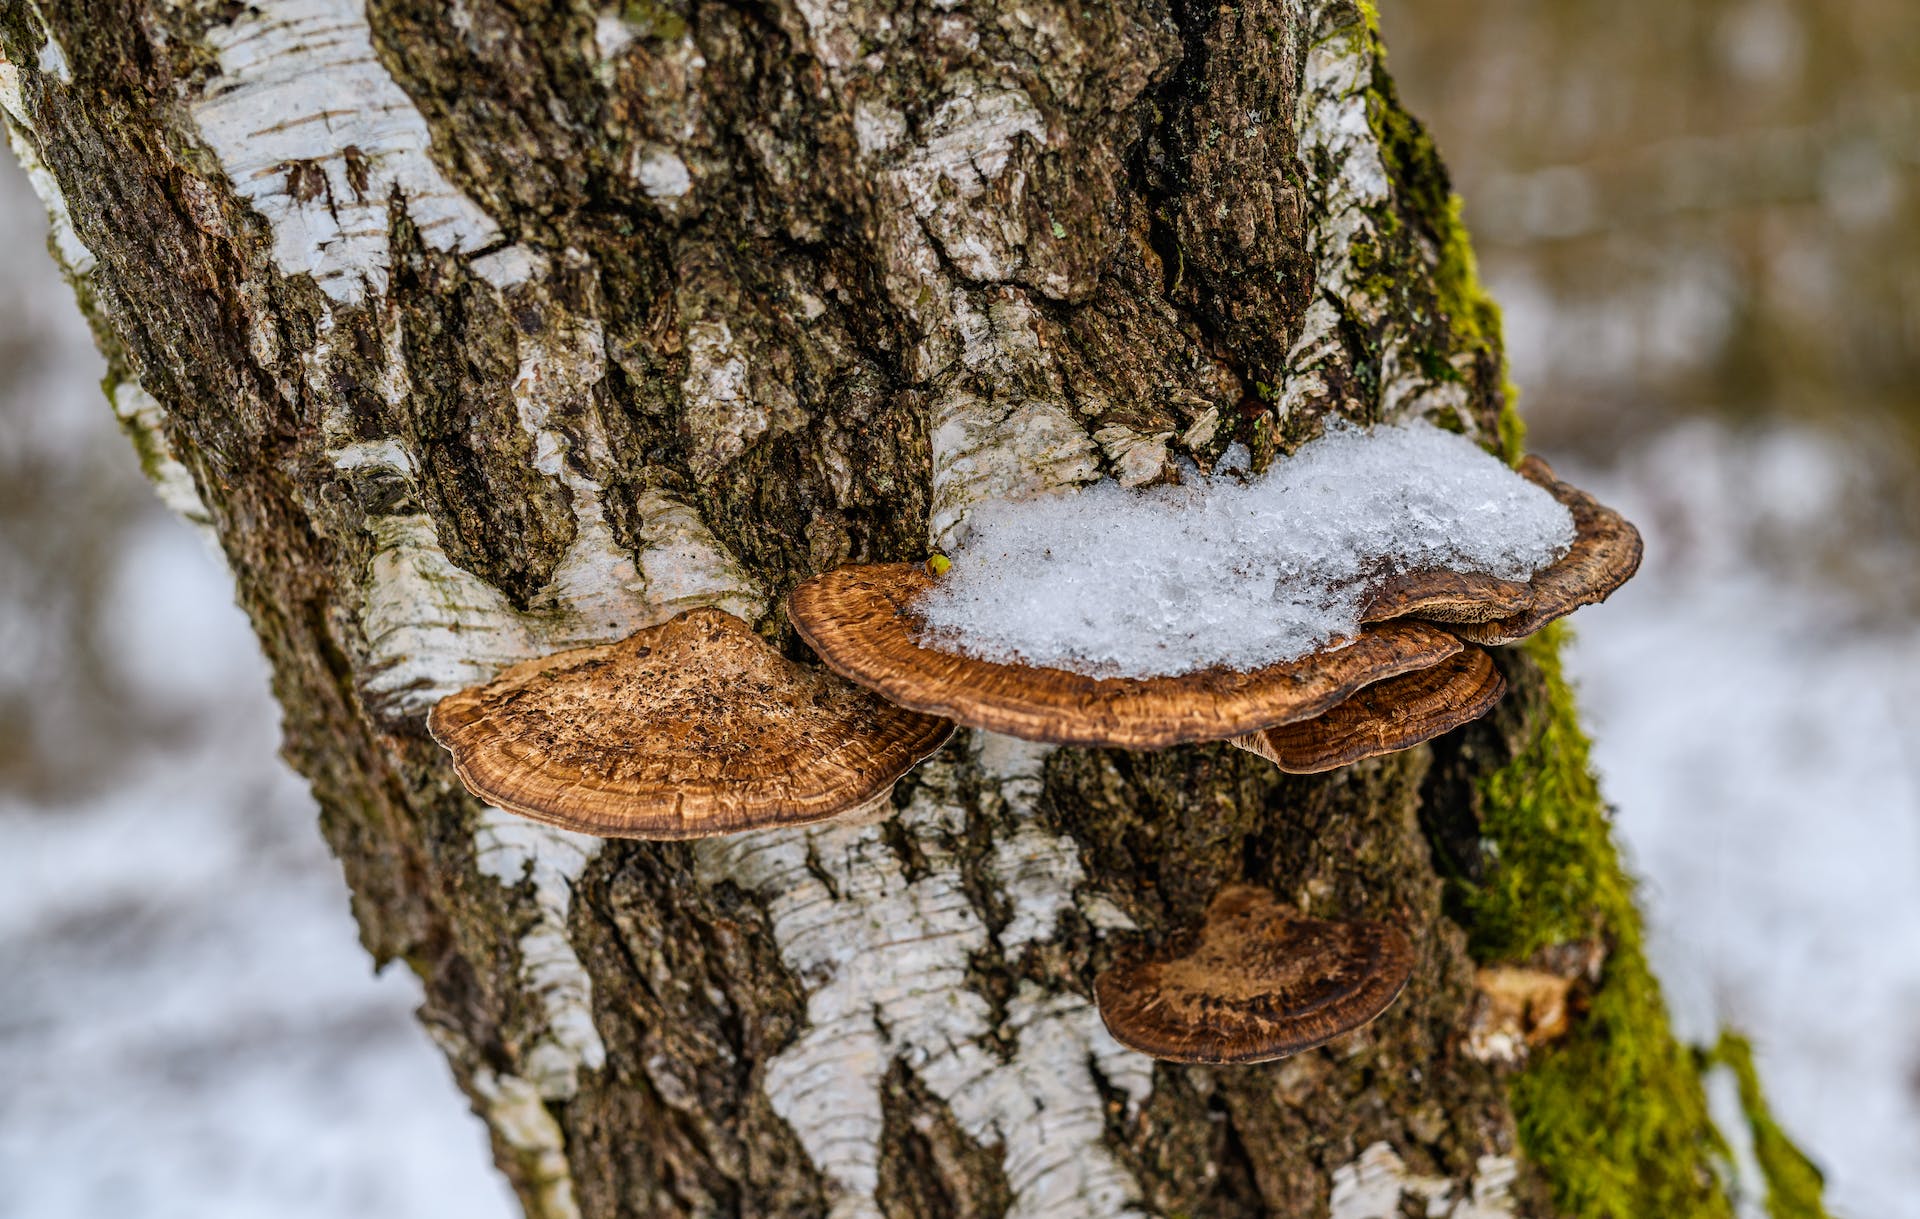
[481, 329]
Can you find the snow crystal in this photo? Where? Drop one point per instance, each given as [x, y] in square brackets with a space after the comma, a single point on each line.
[1231, 571]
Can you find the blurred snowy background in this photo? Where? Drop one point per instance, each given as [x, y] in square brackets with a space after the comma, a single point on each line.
[1703, 217]
[189, 1028]
[1703, 220]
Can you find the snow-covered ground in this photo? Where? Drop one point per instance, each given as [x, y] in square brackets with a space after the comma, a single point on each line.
[189, 1027]
[1757, 723]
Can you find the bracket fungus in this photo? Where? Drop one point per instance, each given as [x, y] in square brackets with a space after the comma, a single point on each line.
[862, 622]
[1262, 982]
[1227, 606]
[1385, 717]
[1444, 596]
[1605, 553]
[688, 729]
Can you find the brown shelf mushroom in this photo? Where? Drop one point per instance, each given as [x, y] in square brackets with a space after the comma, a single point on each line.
[688, 729]
[1444, 596]
[861, 621]
[1262, 982]
[1385, 717]
[1605, 554]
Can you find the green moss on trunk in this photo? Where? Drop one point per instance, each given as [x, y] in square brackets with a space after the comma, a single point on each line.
[1615, 1114]
[1794, 1183]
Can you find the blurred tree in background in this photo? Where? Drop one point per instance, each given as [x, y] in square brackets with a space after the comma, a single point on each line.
[1704, 206]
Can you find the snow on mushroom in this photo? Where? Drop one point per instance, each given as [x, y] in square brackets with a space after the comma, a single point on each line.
[1604, 555]
[688, 729]
[1261, 982]
[1235, 573]
[1227, 607]
[863, 622]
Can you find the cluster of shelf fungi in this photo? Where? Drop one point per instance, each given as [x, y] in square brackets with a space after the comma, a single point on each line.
[696, 727]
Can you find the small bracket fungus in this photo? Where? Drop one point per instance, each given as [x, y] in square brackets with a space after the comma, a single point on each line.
[1262, 982]
[1231, 608]
[1605, 554]
[1385, 717]
[688, 729]
[861, 620]
[1444, 596]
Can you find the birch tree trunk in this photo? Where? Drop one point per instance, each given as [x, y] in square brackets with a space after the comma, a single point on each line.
[479, 330]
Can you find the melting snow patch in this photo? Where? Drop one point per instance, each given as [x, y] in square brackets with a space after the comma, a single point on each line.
[1241, 573]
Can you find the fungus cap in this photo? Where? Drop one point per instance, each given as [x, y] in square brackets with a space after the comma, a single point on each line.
[860, 619]
[688, 729]
[1444, 596]
[1262, 982]
[1606, 552]
[1386, 717]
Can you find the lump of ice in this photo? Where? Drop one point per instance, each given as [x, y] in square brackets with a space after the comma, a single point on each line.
[1240, 574]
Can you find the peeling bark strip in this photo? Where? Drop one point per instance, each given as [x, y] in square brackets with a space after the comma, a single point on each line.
[1377, 1184]
[52, 62]
[317, 137]
[479, 331]
[512, 850]
[886, 958]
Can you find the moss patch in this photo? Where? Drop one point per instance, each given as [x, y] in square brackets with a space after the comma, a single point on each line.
[1794, 1184]
[1615, 1115]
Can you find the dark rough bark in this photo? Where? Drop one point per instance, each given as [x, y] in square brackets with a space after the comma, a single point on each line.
[796, 284]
